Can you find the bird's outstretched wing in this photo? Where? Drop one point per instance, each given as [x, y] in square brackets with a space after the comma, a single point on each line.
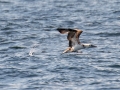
[71, 34]
[65, 30]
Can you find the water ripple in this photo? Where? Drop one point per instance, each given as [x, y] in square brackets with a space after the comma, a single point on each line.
[31, 48]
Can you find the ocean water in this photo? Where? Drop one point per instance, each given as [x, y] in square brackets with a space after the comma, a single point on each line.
[31, 48]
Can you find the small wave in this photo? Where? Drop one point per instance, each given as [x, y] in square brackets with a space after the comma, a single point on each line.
[114, 66]
[3, 2]
[117, 12]
[33, 49]
[31, 52]
[6, 28]
[17, 47]
[108, 34]
[93, 23]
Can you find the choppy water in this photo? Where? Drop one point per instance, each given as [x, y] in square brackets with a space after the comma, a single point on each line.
[30, 25]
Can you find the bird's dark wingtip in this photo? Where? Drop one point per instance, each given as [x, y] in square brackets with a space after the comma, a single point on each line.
[62, 30]
[59, 29]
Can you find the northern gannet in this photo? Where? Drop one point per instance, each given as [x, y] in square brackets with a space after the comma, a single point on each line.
[73, 38]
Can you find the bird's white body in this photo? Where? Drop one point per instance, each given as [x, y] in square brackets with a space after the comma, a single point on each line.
[81, 46]
[76, 46]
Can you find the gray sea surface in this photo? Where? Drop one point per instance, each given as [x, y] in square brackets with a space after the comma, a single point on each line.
[31, 48]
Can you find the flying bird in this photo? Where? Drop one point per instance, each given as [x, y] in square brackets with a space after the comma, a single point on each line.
[73, 38]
